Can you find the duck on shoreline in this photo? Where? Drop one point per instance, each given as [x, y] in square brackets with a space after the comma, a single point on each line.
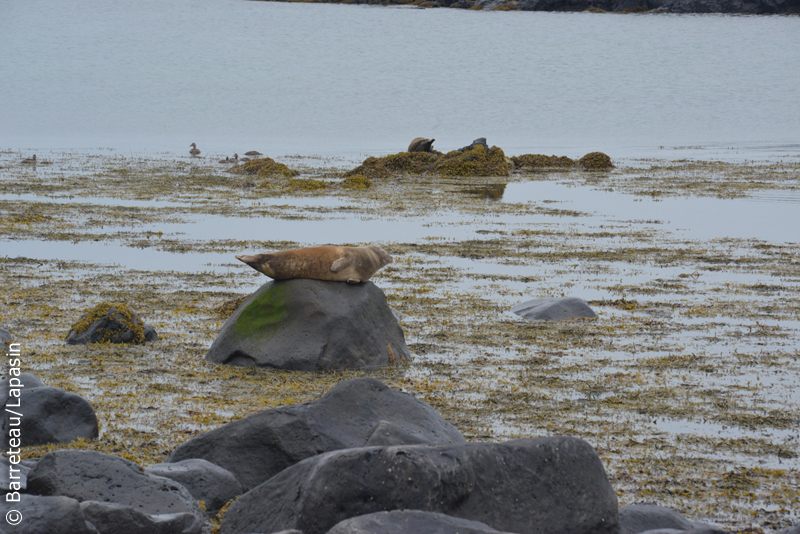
[30, 161]
[194, 151]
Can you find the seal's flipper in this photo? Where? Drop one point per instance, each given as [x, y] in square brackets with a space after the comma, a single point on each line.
[341, 264]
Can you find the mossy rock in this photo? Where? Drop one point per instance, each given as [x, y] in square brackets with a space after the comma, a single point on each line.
[475, 162]
[357, 182]
[506, 7]
[110, 322]
[265, 167]
[595, 161]
[402, 162]
[532, 162]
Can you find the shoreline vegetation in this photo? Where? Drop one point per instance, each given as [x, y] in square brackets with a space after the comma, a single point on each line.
[741, 7]
[683, 384]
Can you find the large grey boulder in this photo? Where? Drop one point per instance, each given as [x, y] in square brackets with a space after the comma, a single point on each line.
[51, 415]
[554, 309]
[641, 518]
[24, 381]
[355, 413]
[312, 325]
[95, 476]
[543, 486]
[408, 521]
[206, 482]
[5, 338]
[45, 515]
[112, 518]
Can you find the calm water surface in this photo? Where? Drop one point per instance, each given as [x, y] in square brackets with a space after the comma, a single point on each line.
[233, 75]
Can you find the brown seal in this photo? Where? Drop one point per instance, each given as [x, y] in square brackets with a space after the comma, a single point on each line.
[420, 144]
[341, 264]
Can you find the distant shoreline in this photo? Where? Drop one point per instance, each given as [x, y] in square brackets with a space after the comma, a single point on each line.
[727, 7]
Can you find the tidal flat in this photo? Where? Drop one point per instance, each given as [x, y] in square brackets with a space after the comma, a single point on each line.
[686, 383]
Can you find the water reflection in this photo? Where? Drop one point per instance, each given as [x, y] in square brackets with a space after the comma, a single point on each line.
[487, 192]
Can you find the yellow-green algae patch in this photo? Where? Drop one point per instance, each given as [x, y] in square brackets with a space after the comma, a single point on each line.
[402, 162]
[596, 161]
[264, 167]
[115, 310]
[475, 162]
[537, 162]
[357, 182]
[263, 315]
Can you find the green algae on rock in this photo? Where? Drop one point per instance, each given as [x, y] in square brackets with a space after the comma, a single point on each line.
[536, 162]
[113, 322]
[264, 167]
[475, 162]
[357, 182]
[402, 162]
[595, 161]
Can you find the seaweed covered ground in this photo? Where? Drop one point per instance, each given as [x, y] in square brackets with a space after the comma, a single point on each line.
[685, 384]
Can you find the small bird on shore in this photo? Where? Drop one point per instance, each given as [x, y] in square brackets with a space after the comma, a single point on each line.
[253, 153]
[226, 160]
[194, 151]
[30, 161]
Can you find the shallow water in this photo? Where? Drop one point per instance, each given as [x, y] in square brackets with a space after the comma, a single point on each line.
[234, 75]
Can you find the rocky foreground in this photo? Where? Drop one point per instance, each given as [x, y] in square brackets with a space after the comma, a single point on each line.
[364, 458]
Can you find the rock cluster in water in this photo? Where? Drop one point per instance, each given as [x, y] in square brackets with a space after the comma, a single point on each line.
[362, 459]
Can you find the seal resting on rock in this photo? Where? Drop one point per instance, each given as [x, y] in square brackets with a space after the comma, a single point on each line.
[420, 144]
[340, 264]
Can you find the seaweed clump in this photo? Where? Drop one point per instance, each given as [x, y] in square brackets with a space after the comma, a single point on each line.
[475, 162]
[299, 184]
[386, 166]
[357, 182]
[595, 161]
[532, 162]
[264, 167]
[114, 322]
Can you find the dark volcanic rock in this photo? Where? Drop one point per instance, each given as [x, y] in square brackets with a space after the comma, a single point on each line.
[641, 518]
[206, 482]
[352, 414]
[554, 309]
[110, 323]
[544, 486]
[24, 381]
[5, 338]
[46, 515]
[112, 518]
[94, 476]
[312, 325]
[407, 521]
[51, 415]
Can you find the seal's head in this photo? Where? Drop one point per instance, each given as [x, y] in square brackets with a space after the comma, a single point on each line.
[385, 259]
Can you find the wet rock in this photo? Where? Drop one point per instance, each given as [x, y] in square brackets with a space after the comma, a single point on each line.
[95, 476]
[650, 518]
[112, 518]
[24, 381]
[110, 323]
[16, 480]
[352, 414]
[547, 485]
[51, 415]
[206, 482]
[50, 515]
[5, 337]
[312, 325]
[554, 309]
[405, 521]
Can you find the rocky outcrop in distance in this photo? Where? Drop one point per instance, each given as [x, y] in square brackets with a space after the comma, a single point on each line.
[743, 7]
